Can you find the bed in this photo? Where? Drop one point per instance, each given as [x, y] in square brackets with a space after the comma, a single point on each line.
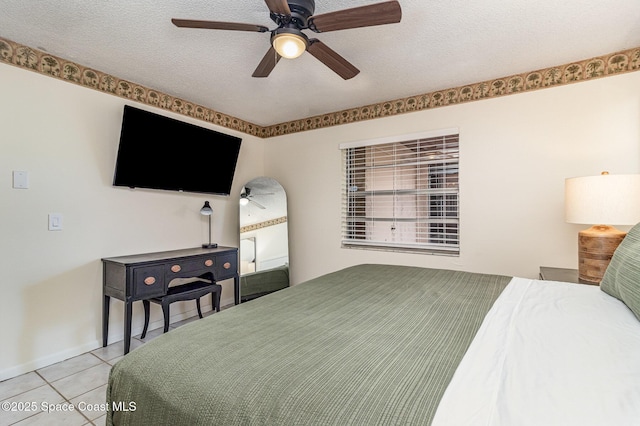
[395, 345]
[260, 283]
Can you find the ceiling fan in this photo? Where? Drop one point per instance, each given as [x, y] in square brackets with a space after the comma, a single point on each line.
[293, 16]
[246, 197]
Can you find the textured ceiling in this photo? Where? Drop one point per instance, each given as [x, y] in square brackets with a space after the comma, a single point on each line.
[437, 45]
[268, 193]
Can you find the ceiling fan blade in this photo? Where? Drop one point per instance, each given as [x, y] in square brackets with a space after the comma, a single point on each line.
[213, 25]
[330, 58]
[364, 16]
[257, 204]
[267, 64]
[278, 6]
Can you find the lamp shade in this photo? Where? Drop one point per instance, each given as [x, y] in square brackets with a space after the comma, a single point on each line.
[605, 199]
[206, 210]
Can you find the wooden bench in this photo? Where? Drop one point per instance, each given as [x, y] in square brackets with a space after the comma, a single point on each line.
[193, 290]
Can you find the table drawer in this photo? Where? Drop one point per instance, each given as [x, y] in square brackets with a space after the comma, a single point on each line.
[226, 266]
[191, 267]
[148, 282]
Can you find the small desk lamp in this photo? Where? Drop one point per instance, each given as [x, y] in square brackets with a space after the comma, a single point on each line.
[206, 210]
[601, 201]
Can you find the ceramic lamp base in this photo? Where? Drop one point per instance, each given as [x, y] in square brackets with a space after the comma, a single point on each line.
[595, 249]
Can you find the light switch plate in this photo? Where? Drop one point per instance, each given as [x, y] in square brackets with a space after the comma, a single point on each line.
[20, 179]
[55, 221]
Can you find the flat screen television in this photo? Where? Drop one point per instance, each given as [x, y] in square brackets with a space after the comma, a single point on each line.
[158, 152]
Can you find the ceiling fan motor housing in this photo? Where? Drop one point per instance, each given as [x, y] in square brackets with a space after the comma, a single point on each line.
[301, 10]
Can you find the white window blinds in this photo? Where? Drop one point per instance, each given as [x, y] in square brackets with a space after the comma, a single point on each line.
[402, 195]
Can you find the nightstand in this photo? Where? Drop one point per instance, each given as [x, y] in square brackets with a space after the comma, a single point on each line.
[561, 274]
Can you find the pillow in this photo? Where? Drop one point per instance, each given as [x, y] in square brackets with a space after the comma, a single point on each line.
[622, 277]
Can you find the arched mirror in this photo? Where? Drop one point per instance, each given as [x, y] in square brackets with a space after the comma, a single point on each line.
[264, 238]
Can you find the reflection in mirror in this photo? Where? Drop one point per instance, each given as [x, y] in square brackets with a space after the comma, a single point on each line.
[264, 238]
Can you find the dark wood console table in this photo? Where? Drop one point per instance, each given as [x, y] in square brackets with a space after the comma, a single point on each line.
[145, 276]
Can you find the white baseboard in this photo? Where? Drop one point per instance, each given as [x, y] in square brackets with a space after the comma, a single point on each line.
[116, 334]
[48, 360]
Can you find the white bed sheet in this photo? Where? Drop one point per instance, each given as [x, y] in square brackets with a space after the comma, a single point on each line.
[549, 353]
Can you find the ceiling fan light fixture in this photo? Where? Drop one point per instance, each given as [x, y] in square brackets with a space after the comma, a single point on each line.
[289, 44]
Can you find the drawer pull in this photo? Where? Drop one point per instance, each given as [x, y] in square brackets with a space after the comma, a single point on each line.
[150, 280]
[176, 268]
[226, 265]
[208, 262]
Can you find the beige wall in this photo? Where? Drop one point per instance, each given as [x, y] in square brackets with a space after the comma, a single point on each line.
[515, 152]
[66, 137]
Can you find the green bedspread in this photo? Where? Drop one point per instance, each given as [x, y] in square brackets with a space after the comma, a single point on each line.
[367, 345]
[263, 282]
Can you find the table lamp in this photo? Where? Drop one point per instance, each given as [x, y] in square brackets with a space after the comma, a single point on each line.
[601, 201]
[206, 210]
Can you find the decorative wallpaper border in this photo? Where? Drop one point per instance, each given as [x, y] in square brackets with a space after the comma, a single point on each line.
[260, 225]
[53, 66]
[588, 69]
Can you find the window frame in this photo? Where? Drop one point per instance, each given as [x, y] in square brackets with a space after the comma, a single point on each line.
[436, 219]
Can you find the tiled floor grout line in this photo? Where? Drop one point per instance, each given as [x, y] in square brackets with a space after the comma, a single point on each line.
[109, 363]
[50, 384]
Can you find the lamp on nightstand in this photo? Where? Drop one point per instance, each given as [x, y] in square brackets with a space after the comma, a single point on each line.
[206, 210]
[601, 201]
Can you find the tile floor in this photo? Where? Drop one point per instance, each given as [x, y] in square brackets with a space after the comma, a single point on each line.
[81, 381]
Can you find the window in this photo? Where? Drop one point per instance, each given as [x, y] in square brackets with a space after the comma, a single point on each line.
[402, 193]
